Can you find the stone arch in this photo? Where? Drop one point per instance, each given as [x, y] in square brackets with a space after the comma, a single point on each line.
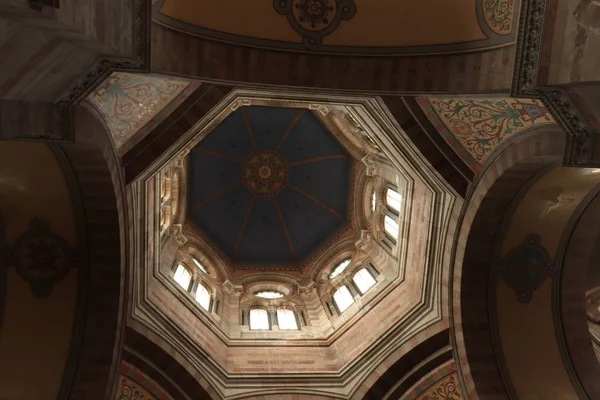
[405, 359]
[580, 275]
[165, 365]
[487, 202]
[97, 171]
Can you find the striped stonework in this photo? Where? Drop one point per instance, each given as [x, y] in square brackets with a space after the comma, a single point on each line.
[502, 176]
[99, 176]
[180, 54]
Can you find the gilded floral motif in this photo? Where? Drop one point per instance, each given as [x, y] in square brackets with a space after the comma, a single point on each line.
[499, 15]
[481, 125]
[445, 389]
[129, 390]
[129, 101]
[314, 12]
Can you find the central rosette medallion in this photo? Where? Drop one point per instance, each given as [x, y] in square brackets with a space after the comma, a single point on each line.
[265, 173]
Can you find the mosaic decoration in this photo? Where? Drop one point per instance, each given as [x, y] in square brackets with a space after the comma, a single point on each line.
[499, 15]
[445, 389]
[315, 19]
[525, 267]
[265, 173]
[129, 390]
[476, 127]
[41, 257]
[128, 102]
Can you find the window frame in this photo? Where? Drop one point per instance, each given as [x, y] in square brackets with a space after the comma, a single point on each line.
[335, 302]
[366, 269]
[209, 306]
[337, 265]
[199, 264]
[190, 272]
[295, 317]
[269, 322]
[391, 213]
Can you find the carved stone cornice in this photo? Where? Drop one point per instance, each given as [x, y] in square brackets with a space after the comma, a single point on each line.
[62, 128]
[529, 47]
[580, 136]
[371, 162]
[364, 242]
[177, 232]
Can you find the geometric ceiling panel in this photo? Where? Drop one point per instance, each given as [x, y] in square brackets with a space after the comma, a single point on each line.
[268, 186]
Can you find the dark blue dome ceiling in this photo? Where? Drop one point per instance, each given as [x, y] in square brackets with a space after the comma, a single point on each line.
[268, 186]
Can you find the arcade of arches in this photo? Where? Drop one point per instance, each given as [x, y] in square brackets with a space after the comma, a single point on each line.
[299, 199]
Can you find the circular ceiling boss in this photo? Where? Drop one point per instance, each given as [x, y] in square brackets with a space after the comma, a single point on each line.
[265, 173]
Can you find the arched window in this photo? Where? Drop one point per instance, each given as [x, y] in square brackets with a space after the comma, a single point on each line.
[391, 220]
[393, 199]
[343, 299]
[203, 296]
[269, 294]
[199, 265]
[183, 276]
[391, 227]
[286, 319]
[340, 268]
[373, 200]
[259, 318]
[363, 280]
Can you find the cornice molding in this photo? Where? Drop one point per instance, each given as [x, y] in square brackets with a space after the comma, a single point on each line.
[580, 136]
[139, 61]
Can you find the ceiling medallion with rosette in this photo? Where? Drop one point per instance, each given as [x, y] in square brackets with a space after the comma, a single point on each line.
[315, 19]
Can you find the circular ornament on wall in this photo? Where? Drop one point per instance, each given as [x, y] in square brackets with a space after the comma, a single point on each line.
[526, 266]
[315, 19]
[41, 257]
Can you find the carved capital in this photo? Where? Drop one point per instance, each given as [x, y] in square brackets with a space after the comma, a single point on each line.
[231, 289]
[372, 165]
[239, 103]
[321, 108]
[306, 292]
[177, 232]
[179, 160]
[364, 242]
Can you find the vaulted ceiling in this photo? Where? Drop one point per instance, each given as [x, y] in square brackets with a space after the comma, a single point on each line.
[478, 95]
[268, 186]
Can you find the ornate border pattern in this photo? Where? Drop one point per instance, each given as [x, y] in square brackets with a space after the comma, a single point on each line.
[580, 137]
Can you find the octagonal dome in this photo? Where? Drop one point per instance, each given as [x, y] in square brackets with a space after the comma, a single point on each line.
[268, 186]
